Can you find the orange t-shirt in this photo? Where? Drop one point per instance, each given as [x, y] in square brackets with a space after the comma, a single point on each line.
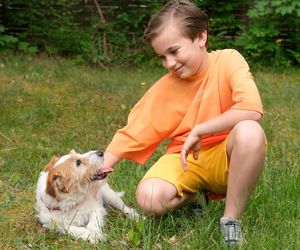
[173, 106]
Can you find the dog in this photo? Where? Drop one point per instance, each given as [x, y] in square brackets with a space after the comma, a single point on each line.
[72, 193]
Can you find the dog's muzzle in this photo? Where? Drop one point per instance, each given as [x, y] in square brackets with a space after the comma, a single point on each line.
[101, 173]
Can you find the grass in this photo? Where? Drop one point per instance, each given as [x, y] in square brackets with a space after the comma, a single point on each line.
[49, 106]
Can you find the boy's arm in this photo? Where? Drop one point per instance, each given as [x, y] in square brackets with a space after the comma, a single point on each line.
[225, 121]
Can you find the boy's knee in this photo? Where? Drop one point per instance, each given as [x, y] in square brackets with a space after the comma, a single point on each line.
[148, 199]
[249, 135]
[153, 196]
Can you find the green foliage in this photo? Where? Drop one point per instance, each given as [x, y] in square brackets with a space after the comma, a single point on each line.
[136, 232]
[26, 47]
[74, 28]
[9, 41]
[271, 32]
[6, 41]
[260, 29]
[225, 22]
[50, 26]
[123, 34]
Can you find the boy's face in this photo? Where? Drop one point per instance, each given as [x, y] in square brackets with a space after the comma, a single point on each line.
[180, 55]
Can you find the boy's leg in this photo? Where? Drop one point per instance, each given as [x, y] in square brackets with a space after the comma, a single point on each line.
[246, 151]
[167, 186]
[157, 196]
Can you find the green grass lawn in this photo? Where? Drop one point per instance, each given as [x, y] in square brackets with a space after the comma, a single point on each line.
[49, 106]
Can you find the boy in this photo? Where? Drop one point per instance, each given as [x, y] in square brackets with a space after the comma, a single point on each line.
[208, 104]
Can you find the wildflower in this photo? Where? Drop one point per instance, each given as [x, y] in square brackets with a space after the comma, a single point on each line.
[143, 83]
[279, 40]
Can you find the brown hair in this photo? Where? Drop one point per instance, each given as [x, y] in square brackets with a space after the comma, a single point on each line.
[191, 18]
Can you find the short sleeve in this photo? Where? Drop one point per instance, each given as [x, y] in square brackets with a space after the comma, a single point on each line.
[137, 140]
[245, 94]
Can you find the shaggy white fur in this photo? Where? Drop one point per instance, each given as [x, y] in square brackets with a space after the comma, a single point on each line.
[71, 195]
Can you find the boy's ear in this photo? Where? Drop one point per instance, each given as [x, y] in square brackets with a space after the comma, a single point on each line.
[202, 38]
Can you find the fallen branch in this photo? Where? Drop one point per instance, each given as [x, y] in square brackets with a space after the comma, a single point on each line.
[103, 24]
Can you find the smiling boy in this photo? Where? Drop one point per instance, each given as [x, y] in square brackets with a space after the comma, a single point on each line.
[208, 106]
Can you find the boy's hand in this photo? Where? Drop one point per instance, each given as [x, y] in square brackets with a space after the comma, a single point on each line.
[192, 143]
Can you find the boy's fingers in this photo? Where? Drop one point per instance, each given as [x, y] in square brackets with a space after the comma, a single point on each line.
[184, 166]
[183, 156]
[195, 154]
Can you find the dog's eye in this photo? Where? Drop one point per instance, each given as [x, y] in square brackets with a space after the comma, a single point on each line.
[77, 162]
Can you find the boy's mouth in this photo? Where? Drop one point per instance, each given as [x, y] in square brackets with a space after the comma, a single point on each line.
[178, 70]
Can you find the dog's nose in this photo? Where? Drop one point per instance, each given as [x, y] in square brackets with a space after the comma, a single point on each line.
[99, 153]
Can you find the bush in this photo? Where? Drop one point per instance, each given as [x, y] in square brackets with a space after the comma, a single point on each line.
[260, 29]
[271, 33]
[6, 41]
[72, 27]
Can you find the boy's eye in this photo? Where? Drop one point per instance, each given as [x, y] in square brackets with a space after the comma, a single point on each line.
[77, 162]
[174, 52]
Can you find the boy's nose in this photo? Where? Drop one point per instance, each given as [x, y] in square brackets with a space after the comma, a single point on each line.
[170, 62]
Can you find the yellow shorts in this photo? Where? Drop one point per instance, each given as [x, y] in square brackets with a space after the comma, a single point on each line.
[209, 172]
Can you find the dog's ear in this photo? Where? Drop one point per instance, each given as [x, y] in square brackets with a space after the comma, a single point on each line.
[51, 164]
[53, 180]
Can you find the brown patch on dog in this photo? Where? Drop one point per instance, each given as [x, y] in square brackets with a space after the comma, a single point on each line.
[62, 178]
[51, 164]
[68, 175]
[52, 187]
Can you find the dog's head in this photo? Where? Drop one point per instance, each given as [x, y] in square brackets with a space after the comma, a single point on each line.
[72, 172]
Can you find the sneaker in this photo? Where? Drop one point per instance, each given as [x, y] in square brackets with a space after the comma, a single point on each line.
[197, 207]
[232, 232]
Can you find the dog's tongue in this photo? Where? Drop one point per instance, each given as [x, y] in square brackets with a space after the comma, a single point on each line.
[102, 173]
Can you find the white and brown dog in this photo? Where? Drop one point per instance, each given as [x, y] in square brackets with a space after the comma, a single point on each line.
[71, 195]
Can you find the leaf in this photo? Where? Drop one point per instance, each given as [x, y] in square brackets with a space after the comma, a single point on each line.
[135, 234]
[2, 28]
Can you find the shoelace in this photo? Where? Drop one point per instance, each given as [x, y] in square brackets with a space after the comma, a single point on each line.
[232, 232]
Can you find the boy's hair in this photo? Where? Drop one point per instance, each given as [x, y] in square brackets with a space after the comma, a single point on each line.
[191, 18]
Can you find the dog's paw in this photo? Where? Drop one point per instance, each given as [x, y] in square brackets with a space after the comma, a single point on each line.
[95, 231]
[78, 233]
[94, 238]
[132, 214]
